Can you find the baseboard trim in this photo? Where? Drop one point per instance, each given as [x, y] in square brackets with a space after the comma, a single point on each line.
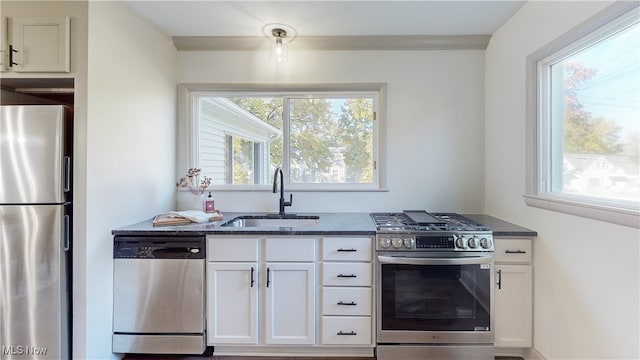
[533, 354]
[289, 351]
[525, 353]
[511, 352]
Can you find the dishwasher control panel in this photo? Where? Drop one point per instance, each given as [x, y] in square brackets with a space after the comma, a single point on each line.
[158, 248]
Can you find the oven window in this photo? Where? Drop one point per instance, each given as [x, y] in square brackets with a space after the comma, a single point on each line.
[436, 297]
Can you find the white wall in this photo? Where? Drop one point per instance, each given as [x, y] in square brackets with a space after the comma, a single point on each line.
[435, 122]
[586, 272]
[130, 147]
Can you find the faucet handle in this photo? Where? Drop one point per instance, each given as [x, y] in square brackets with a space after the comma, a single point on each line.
[288, 203]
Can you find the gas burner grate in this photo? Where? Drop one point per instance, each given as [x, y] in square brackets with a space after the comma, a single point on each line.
[457, 221]
[391, 221]
[412, 220]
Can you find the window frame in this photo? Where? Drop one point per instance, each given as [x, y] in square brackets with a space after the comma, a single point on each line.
[188, 130]
[538, 154]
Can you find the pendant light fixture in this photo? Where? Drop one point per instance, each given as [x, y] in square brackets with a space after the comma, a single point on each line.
[279, 49]
[280, 36]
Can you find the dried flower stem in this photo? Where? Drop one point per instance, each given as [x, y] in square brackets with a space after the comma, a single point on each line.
[193, 183]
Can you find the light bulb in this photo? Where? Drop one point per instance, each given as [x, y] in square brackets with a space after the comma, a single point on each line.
[278, 49]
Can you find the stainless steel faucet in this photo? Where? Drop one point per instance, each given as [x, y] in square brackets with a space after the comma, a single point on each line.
[283, 203]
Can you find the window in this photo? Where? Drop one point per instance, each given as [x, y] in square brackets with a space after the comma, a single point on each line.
[323, 140]
[585, 121]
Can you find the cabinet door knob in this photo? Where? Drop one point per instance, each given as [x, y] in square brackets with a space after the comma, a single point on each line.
[347, 250]
[499, 279]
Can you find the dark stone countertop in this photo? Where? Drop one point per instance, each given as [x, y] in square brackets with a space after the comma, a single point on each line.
[329, 224]
[500, 227]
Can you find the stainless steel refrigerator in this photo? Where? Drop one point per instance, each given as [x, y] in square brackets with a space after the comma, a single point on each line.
[35, 231]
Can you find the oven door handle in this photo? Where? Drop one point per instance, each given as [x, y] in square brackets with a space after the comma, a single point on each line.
[435, 261]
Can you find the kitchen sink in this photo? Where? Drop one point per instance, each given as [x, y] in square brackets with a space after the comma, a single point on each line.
[273, 221]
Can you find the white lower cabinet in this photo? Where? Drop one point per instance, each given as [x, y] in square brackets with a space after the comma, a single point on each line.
[290, 295]
[252, 300]
[513, 293]
[232, 303]
[346, 330]
[347, 293]
[514, 303]
[290, 303]
[343, 301]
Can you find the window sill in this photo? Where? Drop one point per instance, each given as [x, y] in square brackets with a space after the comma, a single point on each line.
[612, 214]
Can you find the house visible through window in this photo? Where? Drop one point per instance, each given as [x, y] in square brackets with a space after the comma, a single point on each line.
[322, 140]
[588, 118]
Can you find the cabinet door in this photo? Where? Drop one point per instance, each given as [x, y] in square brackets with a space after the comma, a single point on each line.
[3, 44]
[232, 303]
[290, 303]
[42, 44]
[513, 315]
[346, 249]
[346, 274]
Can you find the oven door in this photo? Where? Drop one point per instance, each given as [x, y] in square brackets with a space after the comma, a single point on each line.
[435, 298]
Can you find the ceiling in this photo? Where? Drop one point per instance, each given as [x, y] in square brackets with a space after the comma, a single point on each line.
[229, 25]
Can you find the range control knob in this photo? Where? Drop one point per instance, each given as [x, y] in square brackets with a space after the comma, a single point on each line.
[472, 242]
[396, 243]
[486, 243]
[460, 243]
[409, 243]
[385, 242]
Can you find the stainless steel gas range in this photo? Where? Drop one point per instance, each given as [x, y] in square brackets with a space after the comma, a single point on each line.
[434, 286]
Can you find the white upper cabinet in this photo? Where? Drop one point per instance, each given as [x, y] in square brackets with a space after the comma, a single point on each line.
[37, 44]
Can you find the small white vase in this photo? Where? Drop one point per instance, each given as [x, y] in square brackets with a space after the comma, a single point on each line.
[189, 201]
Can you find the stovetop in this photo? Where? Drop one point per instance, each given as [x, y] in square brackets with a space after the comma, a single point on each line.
[420, 220]
[418, 230]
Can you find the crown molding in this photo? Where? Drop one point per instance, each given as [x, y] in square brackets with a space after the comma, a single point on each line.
[383, 42]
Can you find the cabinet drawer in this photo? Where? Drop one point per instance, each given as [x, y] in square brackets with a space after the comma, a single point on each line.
[346, 274]
[513, 250]
[346, 249]
[232, 249]
[290, 249]
[346, 301]
[345, 330]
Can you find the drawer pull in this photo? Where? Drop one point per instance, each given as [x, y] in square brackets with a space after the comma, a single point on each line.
[351, 333]
[347, 276]
[347, 250]
[11, 51]
[514, 252]
[349, 303]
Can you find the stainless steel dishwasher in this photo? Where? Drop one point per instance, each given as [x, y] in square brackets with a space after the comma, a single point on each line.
[158, 295]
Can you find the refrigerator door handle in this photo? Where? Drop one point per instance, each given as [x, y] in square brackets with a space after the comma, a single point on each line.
[67, 173]
[67, 233]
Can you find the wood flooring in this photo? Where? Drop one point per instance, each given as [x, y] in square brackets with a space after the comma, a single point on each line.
[218, 357]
